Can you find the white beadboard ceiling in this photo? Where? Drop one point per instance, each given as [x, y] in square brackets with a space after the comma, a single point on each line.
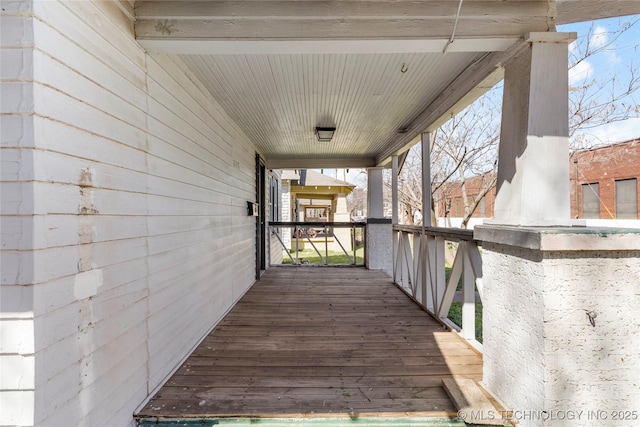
[282, 67]
[278, 100]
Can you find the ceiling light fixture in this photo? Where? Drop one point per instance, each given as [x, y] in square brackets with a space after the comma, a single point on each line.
[324, 134]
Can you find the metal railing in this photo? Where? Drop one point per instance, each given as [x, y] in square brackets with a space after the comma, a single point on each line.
[323, 239]
[419, 268]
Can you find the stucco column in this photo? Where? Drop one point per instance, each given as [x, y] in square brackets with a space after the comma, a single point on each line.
[379, 250]
[561, 324]
[533, 165]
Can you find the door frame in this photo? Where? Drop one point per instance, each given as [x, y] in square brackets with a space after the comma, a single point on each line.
[261, 219]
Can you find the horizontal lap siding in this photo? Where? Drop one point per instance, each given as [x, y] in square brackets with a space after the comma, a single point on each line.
[90, 108]
[17, 346]
[212, 192]
[126, 213]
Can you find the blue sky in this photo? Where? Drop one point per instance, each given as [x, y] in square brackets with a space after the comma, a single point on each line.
[613, 61]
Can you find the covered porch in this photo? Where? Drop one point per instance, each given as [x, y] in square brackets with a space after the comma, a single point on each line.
[332, 343]
[141, 147]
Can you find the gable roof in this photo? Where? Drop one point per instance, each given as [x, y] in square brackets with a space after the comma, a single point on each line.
[316, 179]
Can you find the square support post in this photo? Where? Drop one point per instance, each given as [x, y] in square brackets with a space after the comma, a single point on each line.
[426, 180]
[375, 199]
[379, 253]
[533, 165]
[560, 303]
[395, 170]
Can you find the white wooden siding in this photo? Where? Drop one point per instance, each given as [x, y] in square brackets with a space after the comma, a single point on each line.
[125, 193]
[17, 338]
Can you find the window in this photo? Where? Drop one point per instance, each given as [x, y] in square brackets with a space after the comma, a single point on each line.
[483, 207]
[591, 200]
[274, 200]
[627, 199]
[458, 210]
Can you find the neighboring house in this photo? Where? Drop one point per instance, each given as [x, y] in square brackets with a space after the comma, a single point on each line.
[604, 181]
[311, 196]
[448, 199]
[604, 185]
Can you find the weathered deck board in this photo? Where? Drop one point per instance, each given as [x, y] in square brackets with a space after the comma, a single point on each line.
[320, 342]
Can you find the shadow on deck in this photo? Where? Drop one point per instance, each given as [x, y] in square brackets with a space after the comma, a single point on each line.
[332, 343]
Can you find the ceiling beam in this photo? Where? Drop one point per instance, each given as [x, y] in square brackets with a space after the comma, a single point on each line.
[332, 9]
[570, 11]
[332, 29]
[418, 21]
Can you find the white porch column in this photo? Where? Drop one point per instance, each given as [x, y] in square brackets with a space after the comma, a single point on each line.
[379, 251]
[426, 179]
[375, 201]
[395, 170]
[533, 165]
[560, 317]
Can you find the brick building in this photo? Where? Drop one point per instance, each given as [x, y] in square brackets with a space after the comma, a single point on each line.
[448, 199]
[604, 184]
[604, 181]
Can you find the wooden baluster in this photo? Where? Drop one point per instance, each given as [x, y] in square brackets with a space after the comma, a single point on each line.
[469, 295]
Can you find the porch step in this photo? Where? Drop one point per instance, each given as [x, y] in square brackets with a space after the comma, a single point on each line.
[471, 402]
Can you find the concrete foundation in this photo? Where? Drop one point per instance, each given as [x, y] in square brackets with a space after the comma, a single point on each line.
[561, 324]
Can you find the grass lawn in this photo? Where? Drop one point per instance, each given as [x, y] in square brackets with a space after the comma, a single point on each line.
[335, 258]
[455, 315]
[455, 312]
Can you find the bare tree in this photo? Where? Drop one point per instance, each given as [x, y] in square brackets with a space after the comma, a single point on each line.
[357, 202]
[465, 147]
[409, 190]
[596, 99]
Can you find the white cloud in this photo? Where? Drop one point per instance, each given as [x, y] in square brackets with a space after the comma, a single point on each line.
[599, 38]
[572, 47]
[580, 72]
[614, 132]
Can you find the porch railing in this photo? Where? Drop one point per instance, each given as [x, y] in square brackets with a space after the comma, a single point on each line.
[420, 269]
[323, 239]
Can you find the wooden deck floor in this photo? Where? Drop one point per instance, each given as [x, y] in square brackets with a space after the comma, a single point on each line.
[319, 342]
